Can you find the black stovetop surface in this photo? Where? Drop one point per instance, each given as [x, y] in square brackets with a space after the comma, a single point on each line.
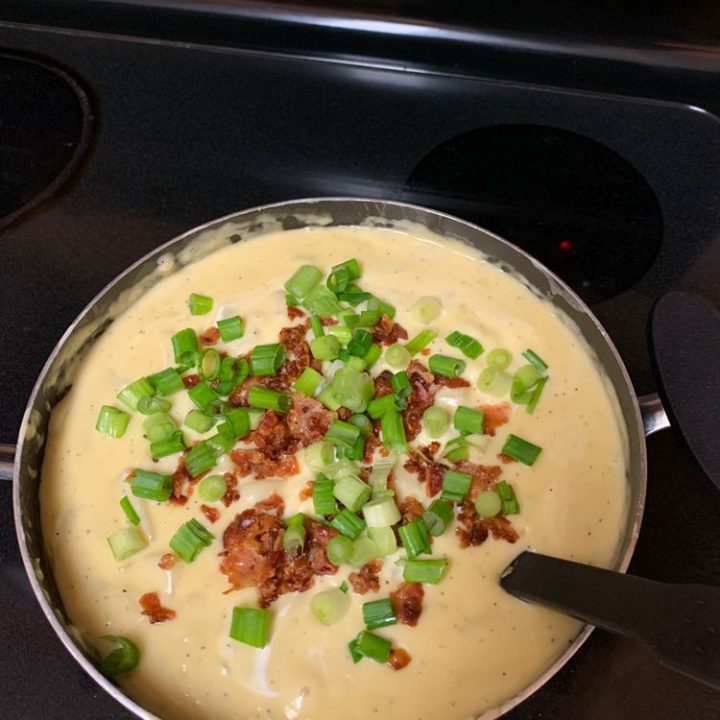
[180, 134]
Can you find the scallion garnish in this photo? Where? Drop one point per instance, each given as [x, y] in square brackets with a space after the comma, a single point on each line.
[536, 361]
[322, 301]
[381, 512]
[382, 306]
[111, 421]
[212, 488]
[339, 549]
[291, 300]
[360, 343]
[499, 358]
[373, 646]
[151, 485]
[129, 510]
[159, 426]
[325, 396]
[523, 383]
[151, 405]
[239, 421]
[393, 432]
[233, 370]
[378, 614]
[167, 381]
[126, 542]
[329, 606]
[185, 347]
[303, 280]
[348, 523]
[354, 654]
[467, 345]
[262, 397]
[267, 359]
[122, 659]
[362, 422]
[435, 421]
[468, 421]
[430, 570]
[457, 449]
[190, 539]
[294, 535]
[364, 550]
[326, 347]
[488, 504]
[200, 459]
[199, 421]
[438, 516]
[521, 450]
[323, 496]
[354, 452]
[167, 446]
[494, 381]
[352, 388]
[446, 366]
[318, 455]
[354, 295]
[341, 333]
[508, 501]
[397, 356]
[344, 587]
[199, 304]
[455, 486]
[372, 355]
[415, 537]
[384, 539]
[352, 492]
[308, 382]
[420, 341]
[250, 626]
[377, 407]
[203, 395]
[209, 364]
[401, 388]
[135, 391]
[317, 326]
[536, 393]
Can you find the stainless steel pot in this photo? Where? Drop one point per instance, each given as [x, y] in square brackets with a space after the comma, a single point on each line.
[641, 416]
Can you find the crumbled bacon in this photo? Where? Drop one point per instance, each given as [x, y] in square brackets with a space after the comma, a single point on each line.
[327, 321]
[407, 602]
[452, 383]
[383, 384]
[318, 537]
[398, 658]
[211, 513]
[308, 420]
[484, 477]
[299, 355]
[495, 416]
[419, 400]
[501, 528]
[190, 381]
[274, 505]
[475, 530]
[254, 461]
[387, 332]
[150, 604]
[344, 414]
[167, 561]
[367, 578]
[231, 492]
[294, 313]
[372, 443]
[211, 336]
[181, 483]
[410, 509]
[307, 490]
[506, 458]
[420, 461]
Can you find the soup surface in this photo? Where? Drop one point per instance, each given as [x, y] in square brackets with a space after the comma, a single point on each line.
[473, 646]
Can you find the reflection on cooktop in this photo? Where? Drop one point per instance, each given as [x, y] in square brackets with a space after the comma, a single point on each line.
[45, 122]
[578, 207]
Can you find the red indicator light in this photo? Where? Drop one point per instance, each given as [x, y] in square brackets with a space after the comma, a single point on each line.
[565, 245]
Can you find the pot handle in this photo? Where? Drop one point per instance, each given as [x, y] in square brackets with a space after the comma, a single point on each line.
[653, 413]
[7, 458]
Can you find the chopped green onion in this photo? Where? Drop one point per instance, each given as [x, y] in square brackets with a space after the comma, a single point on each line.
[151, 405]
[364, 550]
[352, 492]
[521, 450]
[508, 501]
[317, 326]
[401, 387]
[362, 422]
[200, 459]
[294, 535]
[393, 432]
[352, 389]
[397, 356]
[326, 347]
[267, 359]
[342, 433]
[377, 407]
[438, 516]
[212, 488]
[379, 613]
[523, 382]
[499, 358]
[303, 280]
[308, 382]
[435, 421]
[372, 355]
[318, 455]
[455, 486]
[126, 542]
[469, 421]
[354, 654]
[381, 512]
[354, 451]
[151, 486]
[457, 449]
[233, 370]
[135, 391]
[322, 302]
[323, 497]
[159, 426]
[198, 421]
[262, 397]
[380, 473]
[425, 571]
[341, 468]
[339, 549]
[351, 266]
[129, 510]
[338, 280]
[167, 381]
[344, 587]
[329, 606]
[384, 539]
[239, 421]
[199, 304]
[327, 399]
[536, 361]
[255, 415]
[488, 504]
[209, 364]
[348, 523]
[111, 421]
[420, 341]
[341, 333]
[382, 306]
[415, 537]
[354, 295]
[536, 393]
[122, 659]
[356, 363]
[250, 626]
[446, 366]
[360, 343]
[167, 446]
[368, 318]
[203, 395]
[425, 310]
[373, 646]
[494, 381]
[190, 539]
[291, 300]
[185, 346]
[467, 345]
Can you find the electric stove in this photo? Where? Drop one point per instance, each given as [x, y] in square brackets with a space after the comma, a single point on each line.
[592, 140]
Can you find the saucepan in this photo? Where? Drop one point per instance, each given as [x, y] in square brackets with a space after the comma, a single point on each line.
[641, 416]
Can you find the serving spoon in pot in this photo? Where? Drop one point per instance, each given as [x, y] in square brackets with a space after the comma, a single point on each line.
[680, 624]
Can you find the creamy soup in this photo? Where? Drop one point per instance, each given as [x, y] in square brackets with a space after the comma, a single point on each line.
[473, 646]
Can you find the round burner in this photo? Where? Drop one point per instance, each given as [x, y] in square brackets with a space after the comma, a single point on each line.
[45, 124]
[578, 207]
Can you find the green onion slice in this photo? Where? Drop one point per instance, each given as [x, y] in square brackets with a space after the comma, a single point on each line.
[200, 304]
[425, 571]
[262, 397]
[521, 450]
[267, 359]
[151, 405]
[136, 391]
[190, 539]
[393, 432]
[212, 488]
[420, 341]
[185, 346]
[151, 485]
[397, 356]
[317, 326]
[339, 549]
[364, 550]
[435, 421]
[456, 485]
[378, 614]
[303, 280]
[326, 347]
[167, 381]
[322, 301]
[415, 537]
[494, 381]
[499, 358]
[381, 512]
[467, 345]
[308, 382]
[329, 606]
[323, 496]
[536, 361]
[129, 510]
[469, 421]
[122, 659]
[438, 517]
[384, 539]
[373, 646]
[352, 492]
[251, 626]
[126, 542]
[508, 501]
[348, 523]
[488, 504]
[112, 422]
[200, 459]
[426, 309]
[446, 366]
[167, 446]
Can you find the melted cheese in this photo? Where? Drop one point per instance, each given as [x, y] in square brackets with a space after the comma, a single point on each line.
[475, 646]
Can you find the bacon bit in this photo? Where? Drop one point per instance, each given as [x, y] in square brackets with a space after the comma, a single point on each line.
[254, 461]
[387, 332]
[383, 384]
[318, 537]
[495, 416]
[425, 351]
[501, 528]
[477, 529]
[274, 505]
[294, 313]
[372, 443]
[506, 458]
[238, 397]
[384, 452]
[420, 399]
[398, 658]
[344, 414]
[327, 321]
[150, 604]
[407, 603]
[211, 336]
[130, 476]
[367, 578]
[485, 477]
[452, 383]
[167, 561]
[420, 461]
[307, 491]
[212, 514]
[181, 483]
[231, 493]
[299, 355]
[308, 420]
[410, 509]
[190, 381]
